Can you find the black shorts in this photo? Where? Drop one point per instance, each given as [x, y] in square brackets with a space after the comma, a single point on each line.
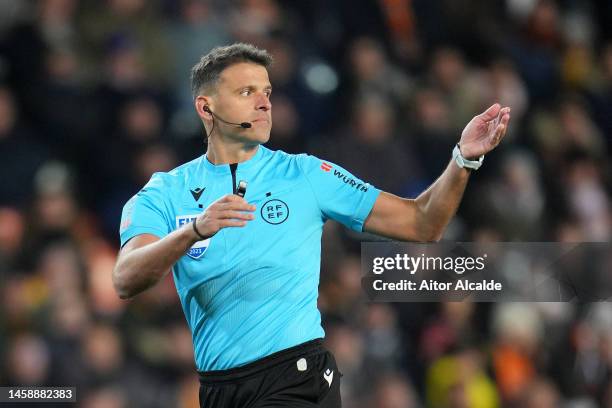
[302, 376]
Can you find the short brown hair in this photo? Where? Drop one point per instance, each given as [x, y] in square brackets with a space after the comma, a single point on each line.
[205, 74]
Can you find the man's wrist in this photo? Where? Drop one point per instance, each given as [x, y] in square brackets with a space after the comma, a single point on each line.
[464, 162]
[199, 236]
[464, 156]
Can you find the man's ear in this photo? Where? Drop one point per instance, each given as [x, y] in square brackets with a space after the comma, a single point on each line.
[202, 103]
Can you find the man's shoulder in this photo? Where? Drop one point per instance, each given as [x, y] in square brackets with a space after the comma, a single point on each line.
[167, 180]
[289, 165]
[280, 156]
[184, 168]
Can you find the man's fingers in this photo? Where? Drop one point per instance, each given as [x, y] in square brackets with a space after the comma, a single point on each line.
[228, 214]
[228, 198]
[503, 113]
[490, 113]
[231, 198]
[231, 223]
[506, 117]
[501, 125]
[236, 206]
[500, 131]
[232, 202]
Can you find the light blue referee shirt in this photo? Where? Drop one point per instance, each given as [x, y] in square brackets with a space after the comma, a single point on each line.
[250, 291]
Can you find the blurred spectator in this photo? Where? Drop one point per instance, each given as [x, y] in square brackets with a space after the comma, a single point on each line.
[198, 29]
[105, 397]
[255, 20]
[588, 200]
[371, 138]
[515, 349]
[60, 265]
[309, 85]
[28, 360]
[450, 328]
[393, 391]
[100, 258]
[383, 340]
[11, 237]
[601, 95]
[28, 48]
[582, 365]
[348, 348]
[286, 134]
[22, 155]
[138, 150]
[12, 12]
[535, 49]
[503, 84]
[459, 380]
[341, 293]
[126, 25]
[433, 132]
[56, 208]
[515, 201]
[373, 73]
[102, 353]
[451, 76]
[541, 394]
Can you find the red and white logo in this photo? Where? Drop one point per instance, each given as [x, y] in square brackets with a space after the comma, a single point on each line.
[326, 166]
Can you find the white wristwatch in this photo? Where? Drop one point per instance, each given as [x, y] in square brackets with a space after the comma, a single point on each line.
[463, 162]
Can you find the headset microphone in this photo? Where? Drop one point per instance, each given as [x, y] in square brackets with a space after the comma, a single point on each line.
[244, 125]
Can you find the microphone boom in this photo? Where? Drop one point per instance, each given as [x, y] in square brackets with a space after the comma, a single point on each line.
[243, 125]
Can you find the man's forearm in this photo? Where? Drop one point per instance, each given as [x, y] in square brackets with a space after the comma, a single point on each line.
[143, 267]
[439, 203]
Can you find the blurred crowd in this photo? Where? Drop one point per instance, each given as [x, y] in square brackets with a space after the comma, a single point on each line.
[95, 97]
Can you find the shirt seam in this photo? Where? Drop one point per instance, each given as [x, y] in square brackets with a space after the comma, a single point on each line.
[311, 188]
[364, 206]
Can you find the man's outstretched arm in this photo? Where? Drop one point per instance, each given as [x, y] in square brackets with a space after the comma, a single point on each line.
[425, 218]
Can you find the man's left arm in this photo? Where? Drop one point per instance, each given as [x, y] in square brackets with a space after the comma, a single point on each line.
[426, 217]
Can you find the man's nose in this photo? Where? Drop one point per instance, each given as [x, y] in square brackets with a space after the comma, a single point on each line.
[263, 103]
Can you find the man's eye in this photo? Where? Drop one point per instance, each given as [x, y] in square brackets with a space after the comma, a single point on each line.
[246, 92]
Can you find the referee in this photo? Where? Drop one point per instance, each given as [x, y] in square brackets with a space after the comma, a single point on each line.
[241, 225]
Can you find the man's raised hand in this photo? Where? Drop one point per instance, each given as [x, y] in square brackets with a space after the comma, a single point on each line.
[484, 132]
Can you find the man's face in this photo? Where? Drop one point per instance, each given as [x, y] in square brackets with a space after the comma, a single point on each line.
[243, 95]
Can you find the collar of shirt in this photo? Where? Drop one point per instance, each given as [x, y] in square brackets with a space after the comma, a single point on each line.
[225, 168]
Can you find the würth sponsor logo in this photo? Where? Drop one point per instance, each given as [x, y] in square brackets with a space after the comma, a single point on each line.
[351, 181]
[326, 166]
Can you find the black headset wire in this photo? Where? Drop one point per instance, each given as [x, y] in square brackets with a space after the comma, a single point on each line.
[209, 134]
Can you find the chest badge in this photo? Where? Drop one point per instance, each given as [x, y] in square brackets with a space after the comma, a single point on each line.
[275, 212]
[197, 250]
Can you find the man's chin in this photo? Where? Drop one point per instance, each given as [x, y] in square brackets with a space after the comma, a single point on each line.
[257, 140]
[264, 138]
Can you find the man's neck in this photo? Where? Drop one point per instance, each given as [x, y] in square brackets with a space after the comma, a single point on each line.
[223, 153]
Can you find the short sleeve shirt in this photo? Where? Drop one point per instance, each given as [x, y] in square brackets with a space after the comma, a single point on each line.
[250, 291]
